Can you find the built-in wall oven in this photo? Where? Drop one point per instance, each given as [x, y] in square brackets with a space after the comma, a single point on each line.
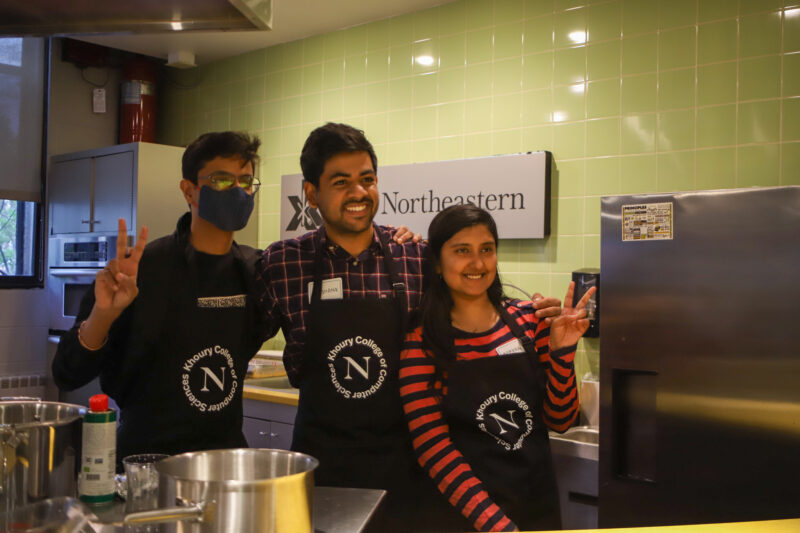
[73, 262]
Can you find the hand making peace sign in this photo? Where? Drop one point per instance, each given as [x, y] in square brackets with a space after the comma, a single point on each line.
[568, 328]
[115, 286]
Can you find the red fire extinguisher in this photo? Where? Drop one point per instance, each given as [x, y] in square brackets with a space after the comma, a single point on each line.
[137, 118]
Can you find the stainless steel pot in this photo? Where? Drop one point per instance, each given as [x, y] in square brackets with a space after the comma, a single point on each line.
[234, 491]
[40, 444]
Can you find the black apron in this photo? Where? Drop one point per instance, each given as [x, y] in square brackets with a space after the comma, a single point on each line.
[350, 414]
[194, 374]
[494, 410]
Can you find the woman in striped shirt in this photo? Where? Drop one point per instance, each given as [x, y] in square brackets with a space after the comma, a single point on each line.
[482, 379]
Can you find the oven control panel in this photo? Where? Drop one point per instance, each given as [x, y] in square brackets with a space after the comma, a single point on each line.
[94, 252]
[81, 251]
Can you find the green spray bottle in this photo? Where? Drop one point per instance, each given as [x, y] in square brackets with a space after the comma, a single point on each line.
[98, 452]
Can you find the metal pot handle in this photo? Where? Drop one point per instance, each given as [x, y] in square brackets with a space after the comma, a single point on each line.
[202, 512]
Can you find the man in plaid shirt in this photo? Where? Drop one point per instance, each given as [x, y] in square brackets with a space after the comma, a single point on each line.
[342, 295]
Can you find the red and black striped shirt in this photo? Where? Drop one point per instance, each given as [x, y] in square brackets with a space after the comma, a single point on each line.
[430, 433]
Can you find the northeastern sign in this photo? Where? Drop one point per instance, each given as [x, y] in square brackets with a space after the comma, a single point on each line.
[515, 189]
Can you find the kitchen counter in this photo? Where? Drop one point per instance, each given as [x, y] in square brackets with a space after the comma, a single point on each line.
[266, 380]
[336, 510]
[341, 510]
[286, 397]
[766, 526]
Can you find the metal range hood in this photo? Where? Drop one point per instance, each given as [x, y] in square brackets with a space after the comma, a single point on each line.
[57, 17]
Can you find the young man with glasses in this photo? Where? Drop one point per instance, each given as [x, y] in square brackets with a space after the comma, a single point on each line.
[170, 327]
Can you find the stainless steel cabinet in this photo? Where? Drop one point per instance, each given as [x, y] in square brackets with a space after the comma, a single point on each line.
[70, 182]
[575, 460]
[89, 190]
[89, 194]
[113, 191]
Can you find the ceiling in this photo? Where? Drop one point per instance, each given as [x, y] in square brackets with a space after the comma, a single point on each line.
[291, 20]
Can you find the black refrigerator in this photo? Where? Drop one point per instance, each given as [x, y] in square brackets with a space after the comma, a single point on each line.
[700, 357]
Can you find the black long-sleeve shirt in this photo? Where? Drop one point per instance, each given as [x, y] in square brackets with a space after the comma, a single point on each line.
[145, 360]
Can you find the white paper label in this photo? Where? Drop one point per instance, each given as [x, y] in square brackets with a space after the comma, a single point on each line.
[98, 459]
[512, 346]
[331, 289]
[99, 100]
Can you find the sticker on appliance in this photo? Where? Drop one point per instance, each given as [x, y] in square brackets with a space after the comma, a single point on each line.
[647, 222]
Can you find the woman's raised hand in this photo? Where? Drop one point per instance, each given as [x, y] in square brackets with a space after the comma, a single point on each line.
[546, 308]
[567, 329]
[115, 286]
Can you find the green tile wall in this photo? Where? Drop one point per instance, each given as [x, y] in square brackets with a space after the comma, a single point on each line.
[631, 96]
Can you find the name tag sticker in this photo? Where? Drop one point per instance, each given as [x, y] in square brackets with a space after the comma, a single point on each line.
[331, 289]
[512, 346]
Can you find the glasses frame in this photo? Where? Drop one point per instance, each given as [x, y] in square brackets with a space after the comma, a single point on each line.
[254, 186]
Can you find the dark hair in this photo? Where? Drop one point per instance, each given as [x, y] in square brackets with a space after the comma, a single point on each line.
[327, 141]
[434, 310]
[218, 144]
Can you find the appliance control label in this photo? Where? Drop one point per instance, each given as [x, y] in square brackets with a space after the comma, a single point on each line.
[647, 222]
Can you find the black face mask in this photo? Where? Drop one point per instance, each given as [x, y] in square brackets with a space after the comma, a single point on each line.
[228, 210]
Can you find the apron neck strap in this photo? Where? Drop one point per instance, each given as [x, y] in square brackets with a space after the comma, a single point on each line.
[398, 287]
[316, 292]
[528, 344]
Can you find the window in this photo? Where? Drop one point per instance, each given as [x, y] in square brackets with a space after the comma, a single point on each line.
[17, 238]
[22, 120]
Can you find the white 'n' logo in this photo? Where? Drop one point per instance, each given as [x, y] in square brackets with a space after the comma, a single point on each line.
[209, 374]
[500, 420]
[361, 370]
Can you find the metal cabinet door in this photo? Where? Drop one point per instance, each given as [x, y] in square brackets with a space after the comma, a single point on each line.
[113, 191]
[281, 435]
[256, 432]
[70, 195]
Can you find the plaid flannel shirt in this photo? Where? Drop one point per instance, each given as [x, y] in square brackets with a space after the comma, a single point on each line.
[285, 269]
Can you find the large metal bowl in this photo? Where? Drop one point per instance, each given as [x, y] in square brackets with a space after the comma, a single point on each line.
[40, 444]
[234, 491]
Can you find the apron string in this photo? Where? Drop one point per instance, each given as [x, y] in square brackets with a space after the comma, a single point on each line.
[398, 287]
[528, 344]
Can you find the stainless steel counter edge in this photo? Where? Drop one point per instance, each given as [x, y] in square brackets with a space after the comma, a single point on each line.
[336, 510]
[565, 446]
